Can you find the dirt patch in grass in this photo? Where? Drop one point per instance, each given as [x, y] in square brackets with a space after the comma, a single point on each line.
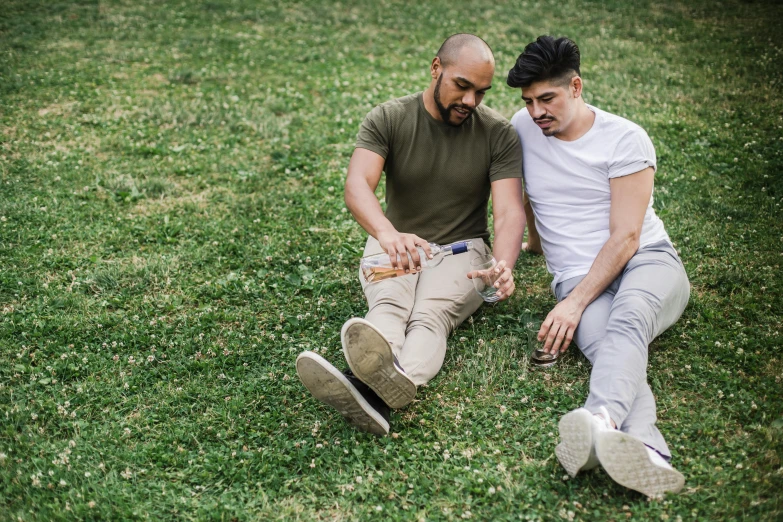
[202, 201]
[58, 109]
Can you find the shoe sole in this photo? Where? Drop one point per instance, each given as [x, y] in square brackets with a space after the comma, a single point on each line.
[576, 438]
[625, 459]
[330, 386]
[370, 357]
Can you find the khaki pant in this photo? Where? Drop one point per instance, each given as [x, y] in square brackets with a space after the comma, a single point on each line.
[417, 312]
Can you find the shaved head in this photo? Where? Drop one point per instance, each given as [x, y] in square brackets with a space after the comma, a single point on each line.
[451, 49]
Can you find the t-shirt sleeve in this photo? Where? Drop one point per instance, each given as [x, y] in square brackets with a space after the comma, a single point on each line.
[634, 153]
[374, 134]
[506, 155]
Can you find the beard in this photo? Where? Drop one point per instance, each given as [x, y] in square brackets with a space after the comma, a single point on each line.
[445, 112]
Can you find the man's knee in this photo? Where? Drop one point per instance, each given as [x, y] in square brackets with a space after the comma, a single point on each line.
[634, 316]
[434, 322]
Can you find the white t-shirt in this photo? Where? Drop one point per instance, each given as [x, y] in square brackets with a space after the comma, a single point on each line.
[568, 186]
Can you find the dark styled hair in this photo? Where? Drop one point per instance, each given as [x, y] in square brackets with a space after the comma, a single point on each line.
[546, 59]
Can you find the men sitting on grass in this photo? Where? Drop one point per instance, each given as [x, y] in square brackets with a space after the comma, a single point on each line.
[443, 154]
[617, 278]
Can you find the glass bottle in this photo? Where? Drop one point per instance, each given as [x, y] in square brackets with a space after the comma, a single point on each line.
[378, 267]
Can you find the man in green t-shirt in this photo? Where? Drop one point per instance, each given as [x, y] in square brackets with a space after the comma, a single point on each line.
[443, 155]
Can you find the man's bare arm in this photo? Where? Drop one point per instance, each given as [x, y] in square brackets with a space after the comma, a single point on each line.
[509, 225]
[630, 196]
[533, 243]
[364, 174]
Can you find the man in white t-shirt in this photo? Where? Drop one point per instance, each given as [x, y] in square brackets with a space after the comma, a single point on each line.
[617, 278]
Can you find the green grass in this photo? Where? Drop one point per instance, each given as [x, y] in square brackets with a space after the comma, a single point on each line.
[172, 234]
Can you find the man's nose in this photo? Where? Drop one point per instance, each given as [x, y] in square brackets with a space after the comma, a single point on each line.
[469, 99]
[536, 110]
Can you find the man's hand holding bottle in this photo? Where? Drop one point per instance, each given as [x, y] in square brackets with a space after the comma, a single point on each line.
[397, 245]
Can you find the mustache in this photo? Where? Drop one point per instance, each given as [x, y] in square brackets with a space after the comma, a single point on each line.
[545, 117]
[460, 106]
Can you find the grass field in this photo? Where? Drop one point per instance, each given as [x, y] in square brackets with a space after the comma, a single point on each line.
[172, 234]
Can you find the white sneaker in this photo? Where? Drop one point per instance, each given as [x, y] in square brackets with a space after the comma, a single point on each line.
[632, 464]
[578, 431]
[370, 357]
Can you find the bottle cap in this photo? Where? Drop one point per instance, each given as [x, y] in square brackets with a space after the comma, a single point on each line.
[459, 248]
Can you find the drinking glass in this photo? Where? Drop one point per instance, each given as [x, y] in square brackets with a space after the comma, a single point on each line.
[541, 359]
[538, 359]
[484, 281]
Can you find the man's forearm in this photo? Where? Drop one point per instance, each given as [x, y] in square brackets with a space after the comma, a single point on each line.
[366, 209]
[611, 260]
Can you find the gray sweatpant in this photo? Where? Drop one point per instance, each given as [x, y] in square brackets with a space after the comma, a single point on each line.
[616, 329]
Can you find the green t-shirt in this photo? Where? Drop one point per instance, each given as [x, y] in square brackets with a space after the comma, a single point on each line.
[438, 176]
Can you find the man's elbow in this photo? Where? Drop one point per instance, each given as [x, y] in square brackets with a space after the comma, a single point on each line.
[349, 194]
[510, 219]
[632, 238]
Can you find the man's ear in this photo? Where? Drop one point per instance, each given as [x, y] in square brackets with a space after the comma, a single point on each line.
[436, 69]
[576, 86]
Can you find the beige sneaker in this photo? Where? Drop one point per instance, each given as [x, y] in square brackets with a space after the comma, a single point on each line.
[357, 403]
[370, 357]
